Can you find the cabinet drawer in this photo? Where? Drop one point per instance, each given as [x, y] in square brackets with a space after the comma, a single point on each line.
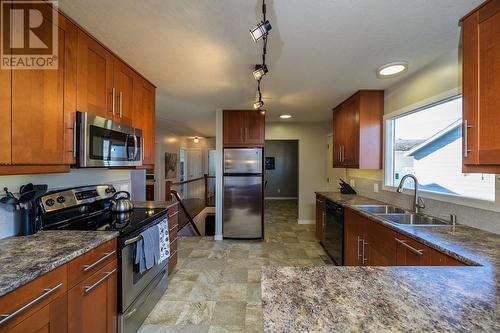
[172, 262]
[90, 262]
[24, 301]
[173, 233]
[173, 216]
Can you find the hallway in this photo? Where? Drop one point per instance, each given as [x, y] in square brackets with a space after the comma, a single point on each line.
[216, 284]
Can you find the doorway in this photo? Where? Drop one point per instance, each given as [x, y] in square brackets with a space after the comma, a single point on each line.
[282, 169]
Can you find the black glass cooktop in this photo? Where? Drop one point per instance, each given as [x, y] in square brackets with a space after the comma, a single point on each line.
[125, 223]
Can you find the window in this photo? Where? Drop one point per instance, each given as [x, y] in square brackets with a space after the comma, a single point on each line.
[427, 143]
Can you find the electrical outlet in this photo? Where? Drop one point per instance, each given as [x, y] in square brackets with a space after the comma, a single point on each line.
[375, 187]
[352, 182]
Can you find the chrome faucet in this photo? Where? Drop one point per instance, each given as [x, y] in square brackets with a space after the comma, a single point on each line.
[418, 203]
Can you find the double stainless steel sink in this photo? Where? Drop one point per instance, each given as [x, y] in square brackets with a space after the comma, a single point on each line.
[400, 216]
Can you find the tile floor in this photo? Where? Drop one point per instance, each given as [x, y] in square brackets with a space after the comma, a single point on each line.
[216, 284]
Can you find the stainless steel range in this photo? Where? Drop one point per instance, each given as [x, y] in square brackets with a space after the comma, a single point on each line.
[88, 208]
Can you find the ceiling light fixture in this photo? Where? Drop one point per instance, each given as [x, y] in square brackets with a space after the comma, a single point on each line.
[257, 105]
[392, 69]
[196, 139]
[260, 31]
[262, 111]
[260, 71]
[285, 116]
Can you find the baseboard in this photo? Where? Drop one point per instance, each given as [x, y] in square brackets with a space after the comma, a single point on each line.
[280, 198]
[307, 221]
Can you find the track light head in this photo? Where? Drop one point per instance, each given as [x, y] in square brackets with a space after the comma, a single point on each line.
[257, 105]
[260, 71]
[262, 111]
[262, 29]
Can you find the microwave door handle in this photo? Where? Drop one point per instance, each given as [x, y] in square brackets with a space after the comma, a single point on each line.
[126, 148]
[136, 147]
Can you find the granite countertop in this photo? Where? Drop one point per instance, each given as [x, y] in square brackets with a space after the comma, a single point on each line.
[24, 258]
[155, 204]
[391, 299]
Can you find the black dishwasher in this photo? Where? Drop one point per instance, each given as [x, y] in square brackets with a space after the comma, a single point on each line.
[334, 232]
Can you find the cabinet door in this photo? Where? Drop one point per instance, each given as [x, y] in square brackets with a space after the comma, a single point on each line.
[38, 110]
[353, 239]
[52, 318]
[144, 116]
[70, 89]
[380, 245]
[255, 128]
[409, 252]
[234, 128]
[338, 139]
[124, 87]
[320, 219]
[5, 116]
[350, 132]
[481, 83]
[92, 304]
[94, 77]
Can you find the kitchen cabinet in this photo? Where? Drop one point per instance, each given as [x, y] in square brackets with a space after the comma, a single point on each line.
[144, 117]
[123, 80]
[173, 228]
[80, 296]
[320, 218]
[480, 87]
[357, 131]
[5, 117]
[92, 304]
[244, 128]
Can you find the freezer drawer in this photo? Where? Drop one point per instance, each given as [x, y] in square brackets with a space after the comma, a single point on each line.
[243, 160]
[242, 207]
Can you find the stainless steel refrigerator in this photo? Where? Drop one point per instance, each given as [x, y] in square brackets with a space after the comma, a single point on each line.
[243, 193]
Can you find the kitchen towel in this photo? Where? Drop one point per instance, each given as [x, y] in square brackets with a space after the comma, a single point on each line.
[164, 244]
[147, 249]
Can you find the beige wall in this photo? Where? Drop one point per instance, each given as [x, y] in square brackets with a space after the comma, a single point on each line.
[312, 159]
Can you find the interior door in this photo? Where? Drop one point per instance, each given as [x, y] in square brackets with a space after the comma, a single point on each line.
[124, 86]
[95, 78]
[38, 109]
[5, 116]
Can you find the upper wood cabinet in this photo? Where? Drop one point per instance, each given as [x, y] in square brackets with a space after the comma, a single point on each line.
[95, 78]
[144, 117]
[357, 131]
[480, 88]
[38, 107]
[244, 128]
[5, 117]
[123, 80]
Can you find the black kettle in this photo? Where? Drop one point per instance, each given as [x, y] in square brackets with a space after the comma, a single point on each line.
[121, 203]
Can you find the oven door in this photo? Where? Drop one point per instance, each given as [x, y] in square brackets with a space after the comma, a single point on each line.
[132, 282]
[104, 143]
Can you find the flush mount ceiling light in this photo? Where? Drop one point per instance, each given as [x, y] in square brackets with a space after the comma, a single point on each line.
[261, 30]
[392, 69]
[257, 105]
[285, 116]
[196, 139]
[260, 71]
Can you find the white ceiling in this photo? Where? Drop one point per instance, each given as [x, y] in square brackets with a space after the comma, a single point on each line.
[199, 53]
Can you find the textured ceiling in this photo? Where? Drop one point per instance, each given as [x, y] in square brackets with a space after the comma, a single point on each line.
[200, 55]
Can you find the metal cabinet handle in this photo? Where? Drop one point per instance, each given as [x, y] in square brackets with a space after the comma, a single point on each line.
[120, 97]
[359, 252]
[113, 96]
[340, 153]
[74, 139]
[409, 247]
[88, 267]
[364, 244]
[88, 289]
[175, 226]
[47, 292]
[466, 138]
[343, 153]
[173, 214]
[246, 133]
[241, 133]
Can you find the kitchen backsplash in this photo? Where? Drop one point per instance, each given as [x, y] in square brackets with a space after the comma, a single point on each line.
[121, 179]
[474, 217]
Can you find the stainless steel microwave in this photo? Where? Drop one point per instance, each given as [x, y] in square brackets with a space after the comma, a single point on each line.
[104, 143]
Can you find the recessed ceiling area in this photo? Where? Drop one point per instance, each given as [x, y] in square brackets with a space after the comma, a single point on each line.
[200, 54]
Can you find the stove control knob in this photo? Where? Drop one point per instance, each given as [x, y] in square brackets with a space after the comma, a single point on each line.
[61, 199]
[50, 202]
[110, 190]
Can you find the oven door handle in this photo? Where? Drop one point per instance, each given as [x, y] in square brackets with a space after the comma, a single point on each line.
[132, 240]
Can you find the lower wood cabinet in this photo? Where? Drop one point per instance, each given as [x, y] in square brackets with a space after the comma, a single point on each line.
[80, 296]
[320, 218]
[173, 227]
[368, 243]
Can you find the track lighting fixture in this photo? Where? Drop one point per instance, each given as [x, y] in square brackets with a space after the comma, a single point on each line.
[262, 111]
[257, 105]
[260, 31]
[260, 71]
[196, 139]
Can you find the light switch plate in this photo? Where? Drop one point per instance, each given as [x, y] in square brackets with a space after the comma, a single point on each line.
[352, 182]
[375, 187]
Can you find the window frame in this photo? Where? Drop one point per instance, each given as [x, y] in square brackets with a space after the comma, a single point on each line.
[388, 165]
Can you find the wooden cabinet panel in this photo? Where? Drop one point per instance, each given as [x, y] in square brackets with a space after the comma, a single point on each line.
[353, 238]
[379, 246]
[244, 128]
[357, 131]
[92, 304]
[95, 78]
[5, 117]
[70, 89]
[38, 111]
[144, 116]
[409, 252]
[124, 86]
[255, 128]
[46, 289]
[234, 127]
[481, 83]
[320, 218]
